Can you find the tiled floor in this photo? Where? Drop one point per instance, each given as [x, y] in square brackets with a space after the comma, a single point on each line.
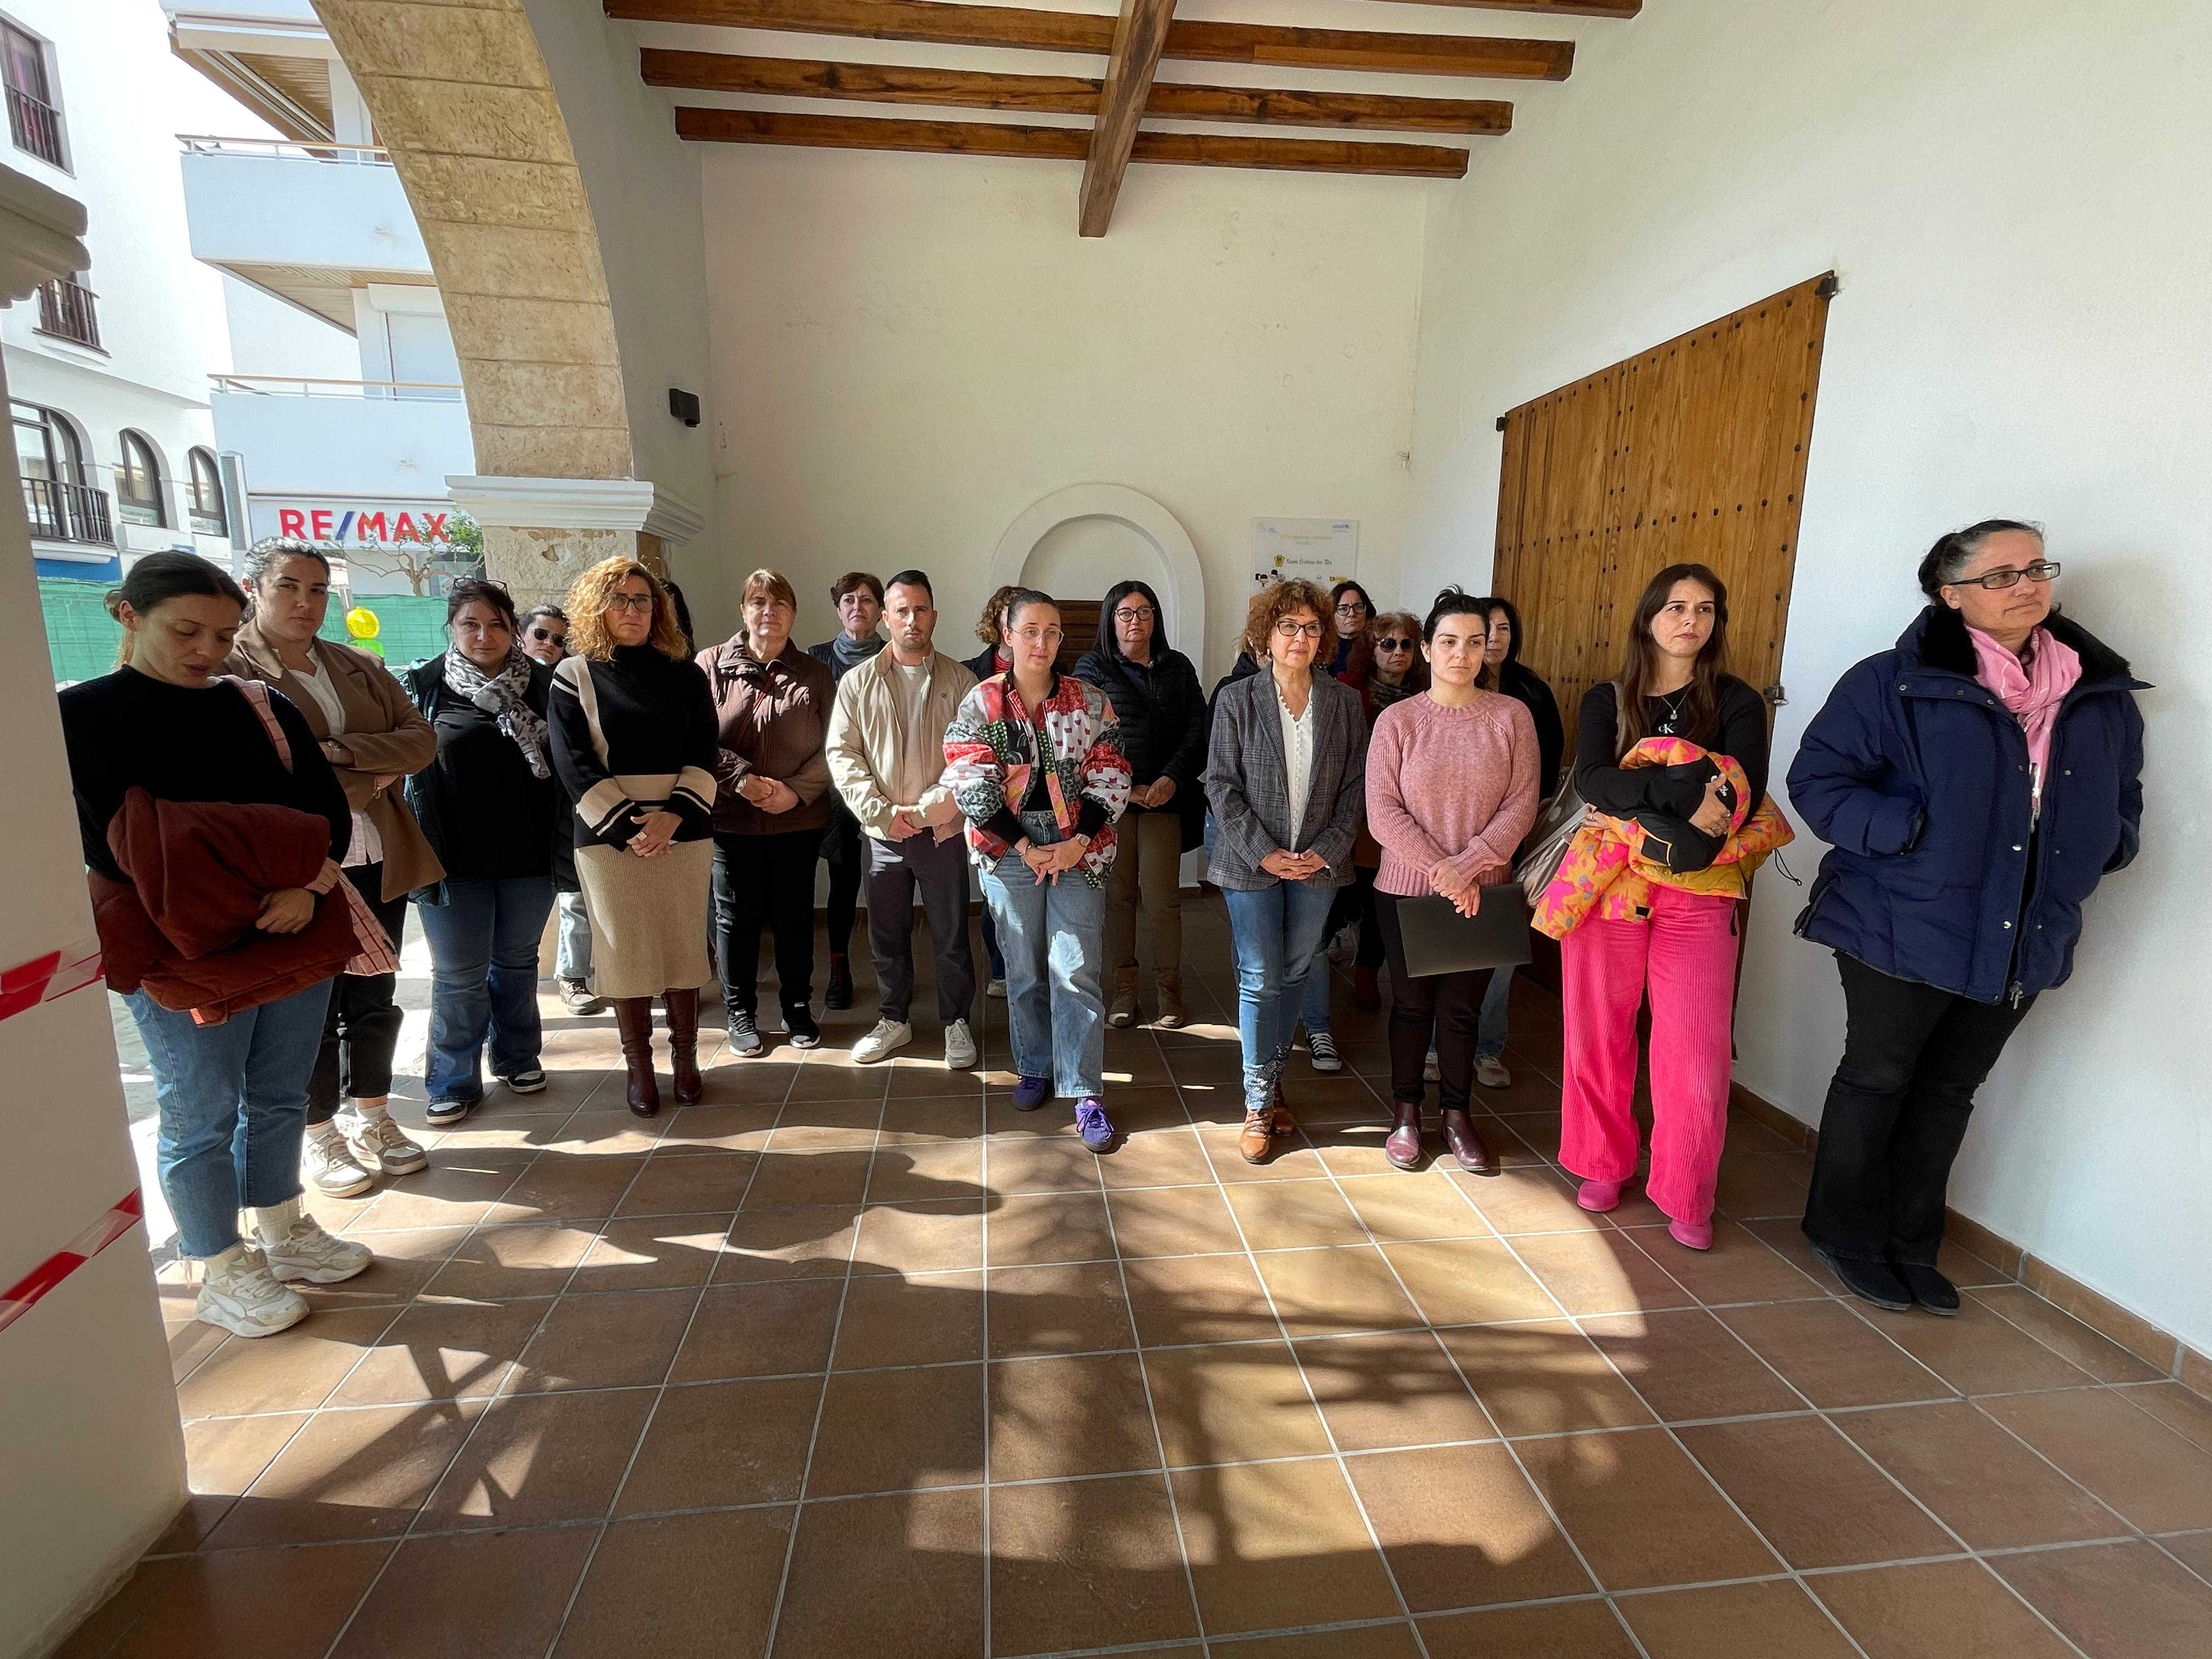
[853, 1361]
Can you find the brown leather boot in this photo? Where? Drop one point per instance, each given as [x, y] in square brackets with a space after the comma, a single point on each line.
[684, 1044]
[1254, 1142]
[1278, 1114]
[1470, 1148]
[634, 1020]
[1169, 992]
[1403, 1148]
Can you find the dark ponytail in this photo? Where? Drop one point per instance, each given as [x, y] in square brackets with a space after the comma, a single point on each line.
[161, 577]
[1954, 551]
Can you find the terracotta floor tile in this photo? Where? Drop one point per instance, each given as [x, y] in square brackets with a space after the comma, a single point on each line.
[568, 1187]
[1289, 1161]
[293, 1371]
[1174, 1221]
[2117, 1600]
[504, 1262]
[1783, 1236]
[1328, 1292]
[829, 1125]
[1752, 1186]
[1569, 1630]
[2094, 1352]
[1469, 1281]
[1977, 1351]
[2195, 1550]
[2182, 1409]
[651, 1253]
[406, 1261]
[1543, 1378]
[682, 1587]
[909, 1121]
[1688, 1366]
[1044, 1160]
[619, 1341]
[807, 1179]
[891, 1431]
[731, 1128]
[189, 1341]
[1983, 1484]
[456, 1190]
[1599, 1271]
[1278, 1215]
[2157, 1480]
[886, 1576]
[688, 1184]
[926, 1170]
[797, 1244]
[1394, 1641]
[1815, 1496]
[1739, 1267]
[1157, 1158]
[223, 1456]
[273, 1604]
[759, 1330]
[1084, 1414]
[1040, 1229]
[1460, 1527]
[1142, 1111]
[912, 1236]
[1227, 1404]
[1279, 1546]
[1084, 1563]
[926, 1320]
[1944, 1610]
[721, 1443]
[1832, 1356]
[1064, 1309]
[915, 1079]
[1401, 1208]
[494, 1595]
[1735, 1621]
[112, 1620]
[1642, 1512]
[1526, 1201]
[828, 1075]
[1394, 1389]
[348, 1475]
[1198, 1298]
[541, 1457]
[440, 1351]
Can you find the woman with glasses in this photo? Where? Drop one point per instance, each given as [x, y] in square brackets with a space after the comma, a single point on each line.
[1398, 673]
[1975, 784]
[994, 658]
[1161, 709]
[491, 807]
[634, 742]
[1283, 773]
[1351, 612]
[1034, 761]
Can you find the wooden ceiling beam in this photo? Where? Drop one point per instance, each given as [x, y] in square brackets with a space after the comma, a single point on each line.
[1548, 8]
[1064, 94]
[1470, 55]
[1138, 33]
[749, 126]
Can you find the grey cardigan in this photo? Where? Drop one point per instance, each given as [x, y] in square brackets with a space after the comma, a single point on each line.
[1247, 783]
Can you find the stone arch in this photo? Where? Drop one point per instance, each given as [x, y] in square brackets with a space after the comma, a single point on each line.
[1183, 595]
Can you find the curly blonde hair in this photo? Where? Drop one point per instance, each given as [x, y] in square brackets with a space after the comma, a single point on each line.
[1276, 601]
[594, 591]
[994, 610]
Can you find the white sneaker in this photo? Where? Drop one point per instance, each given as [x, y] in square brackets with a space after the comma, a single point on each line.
[297, 1247]
[1490, 1071]
[237, 1294]
[960, 1047]
[328, 1165]
[1429, 1066]
[377, 1140]
[996, 988]
[889, 1034]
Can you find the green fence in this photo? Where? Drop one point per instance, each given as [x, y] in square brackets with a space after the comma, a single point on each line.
[81, 637]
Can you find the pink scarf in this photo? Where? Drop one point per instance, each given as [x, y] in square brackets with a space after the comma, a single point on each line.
[2033, 693]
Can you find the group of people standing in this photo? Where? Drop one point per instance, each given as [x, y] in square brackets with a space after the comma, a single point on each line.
[1974, 784]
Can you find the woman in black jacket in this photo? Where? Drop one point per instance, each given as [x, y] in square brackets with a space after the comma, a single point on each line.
[489, 807]
[1156, 693]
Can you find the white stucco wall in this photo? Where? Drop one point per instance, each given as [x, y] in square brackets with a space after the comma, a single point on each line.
[2006, 192]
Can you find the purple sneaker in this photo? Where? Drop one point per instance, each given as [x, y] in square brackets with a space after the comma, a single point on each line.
[1092, 1123]
[1032, 1093]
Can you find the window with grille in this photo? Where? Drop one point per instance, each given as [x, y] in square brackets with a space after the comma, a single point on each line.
[206, 491]
[61, 505]
[33, 120]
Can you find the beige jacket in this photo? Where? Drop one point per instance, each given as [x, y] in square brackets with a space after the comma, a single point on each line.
[865, 731]
[386, 732]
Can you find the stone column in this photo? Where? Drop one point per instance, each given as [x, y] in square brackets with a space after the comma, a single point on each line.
[540, 534]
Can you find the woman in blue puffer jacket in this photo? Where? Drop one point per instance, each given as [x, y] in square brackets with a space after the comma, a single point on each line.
[1975, 784]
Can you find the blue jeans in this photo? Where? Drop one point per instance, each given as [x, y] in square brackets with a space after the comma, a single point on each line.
[1054, 935]
[1276, 932]
[1490, 1036]
[484, 980]
[233, 1100]
[571, 958]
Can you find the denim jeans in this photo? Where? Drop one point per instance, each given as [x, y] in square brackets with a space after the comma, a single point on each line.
[233, 1101]
[483, 980]
[1276, 933]
[1053, 937]
[1497, 1001]
[572, 957]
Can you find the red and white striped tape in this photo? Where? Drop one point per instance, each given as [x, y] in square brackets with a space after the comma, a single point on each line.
[19, 1297]
[44, 978]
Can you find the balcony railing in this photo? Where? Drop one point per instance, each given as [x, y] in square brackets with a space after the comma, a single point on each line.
[63, 511]
[367, 156]
[68, 311]
[295, 386]
[36, 126]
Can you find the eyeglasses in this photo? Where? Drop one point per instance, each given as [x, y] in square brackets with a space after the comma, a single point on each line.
[630, 602]
[1394, 645]
[1295, 630]
[1039, 635]
[2041, 571]
[1139, 613]
[547, 636]
[1351, 608]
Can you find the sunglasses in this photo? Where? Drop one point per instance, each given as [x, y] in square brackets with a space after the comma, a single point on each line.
[546, 635]
[1394, 645]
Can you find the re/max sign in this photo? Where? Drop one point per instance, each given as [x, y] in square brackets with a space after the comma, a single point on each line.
[324, 524]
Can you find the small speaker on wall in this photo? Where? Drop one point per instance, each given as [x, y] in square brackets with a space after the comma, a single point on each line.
[683, 406]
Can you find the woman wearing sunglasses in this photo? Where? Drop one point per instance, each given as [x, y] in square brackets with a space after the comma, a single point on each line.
[1975, 783]
[1397, 673]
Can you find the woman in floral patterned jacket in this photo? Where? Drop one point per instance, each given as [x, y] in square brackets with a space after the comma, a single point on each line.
[1034, 761]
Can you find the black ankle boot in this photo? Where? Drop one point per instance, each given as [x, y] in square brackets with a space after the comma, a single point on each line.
[1869, 1281]
[1929, 1288]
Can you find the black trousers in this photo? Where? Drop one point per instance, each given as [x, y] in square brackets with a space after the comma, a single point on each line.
[849, 866]
[1897, 1111]
[1449, 1005]
[766, 881]
[362, 1028]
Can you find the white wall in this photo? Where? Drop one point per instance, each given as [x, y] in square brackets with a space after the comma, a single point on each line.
[2012, 195]
[269, 335]
[908, 351]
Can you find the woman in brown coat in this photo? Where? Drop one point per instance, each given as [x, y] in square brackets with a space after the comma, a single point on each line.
[373, 736]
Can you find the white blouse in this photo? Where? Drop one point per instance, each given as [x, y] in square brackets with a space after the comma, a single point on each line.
[1297, 757]
[367, 846]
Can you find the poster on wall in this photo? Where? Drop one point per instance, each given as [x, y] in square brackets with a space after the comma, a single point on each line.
[1321, 550]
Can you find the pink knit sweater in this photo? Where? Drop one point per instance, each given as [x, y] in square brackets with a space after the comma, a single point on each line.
[1449, 783]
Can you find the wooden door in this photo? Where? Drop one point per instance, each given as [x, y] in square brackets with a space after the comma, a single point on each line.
[1078, 628]
[1691, 452]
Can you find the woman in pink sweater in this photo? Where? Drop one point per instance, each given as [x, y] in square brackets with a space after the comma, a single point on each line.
[1452, 789]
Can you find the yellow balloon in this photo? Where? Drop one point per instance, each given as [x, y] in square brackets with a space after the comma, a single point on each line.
[361, 622]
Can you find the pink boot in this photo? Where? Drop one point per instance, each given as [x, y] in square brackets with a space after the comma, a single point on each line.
[1598, 1196]
[1692, 1234]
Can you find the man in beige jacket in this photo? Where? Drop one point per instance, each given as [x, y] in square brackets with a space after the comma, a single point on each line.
[886, 749]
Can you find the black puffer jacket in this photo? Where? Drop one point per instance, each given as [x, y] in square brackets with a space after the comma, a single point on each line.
[1162, 709]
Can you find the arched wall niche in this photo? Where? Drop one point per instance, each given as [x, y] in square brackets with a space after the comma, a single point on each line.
[1083, 522]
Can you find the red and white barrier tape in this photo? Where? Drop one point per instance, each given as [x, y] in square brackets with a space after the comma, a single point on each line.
[44, 978]
[19, 1297]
